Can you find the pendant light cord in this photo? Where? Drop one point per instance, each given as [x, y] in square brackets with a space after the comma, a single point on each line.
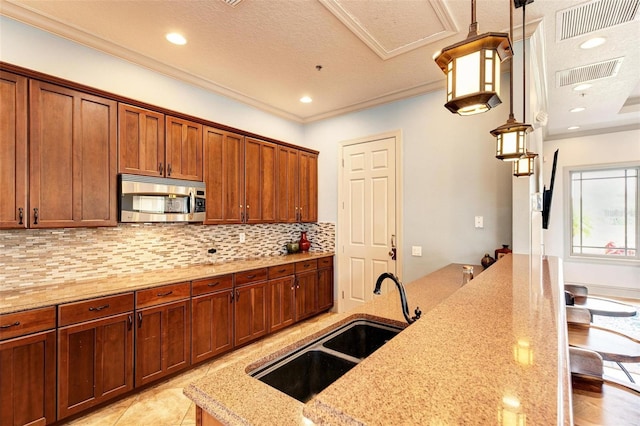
[511, 116]
[524, 65]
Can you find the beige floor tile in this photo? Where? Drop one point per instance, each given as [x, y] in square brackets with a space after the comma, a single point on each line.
[158, 407]
[106, 416]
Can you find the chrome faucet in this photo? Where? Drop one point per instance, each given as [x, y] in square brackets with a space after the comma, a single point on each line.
[403, 296]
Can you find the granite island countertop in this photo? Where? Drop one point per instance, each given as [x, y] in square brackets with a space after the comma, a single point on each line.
[491, 352]
[31, 297]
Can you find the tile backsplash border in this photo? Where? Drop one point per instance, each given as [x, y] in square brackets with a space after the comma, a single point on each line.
[37, 257]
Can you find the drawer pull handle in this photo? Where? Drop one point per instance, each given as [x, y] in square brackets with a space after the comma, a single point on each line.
[252, 276]
[36, 215]
[281, 270]
[99, 308]
[213, 284]
[21, 216]
[15, 324]
[165, 294]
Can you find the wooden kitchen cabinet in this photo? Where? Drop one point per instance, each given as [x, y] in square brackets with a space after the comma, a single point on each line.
[297, 185]
[325, 284]
[163, 332]
[13, 146]
[211, 317]
[306, 294]
[183, 149]
[260, 181]
[141, 141]
[282, 297]
[95, 352]
[224, 176]
[251, 304]
[27, 367]
[72, 158]
[308, 187]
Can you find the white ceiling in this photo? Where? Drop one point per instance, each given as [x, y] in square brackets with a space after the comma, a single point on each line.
[265, 52]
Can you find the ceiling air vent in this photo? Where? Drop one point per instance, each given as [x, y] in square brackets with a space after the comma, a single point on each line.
[231, 3]
[594, 16]
[588, 72]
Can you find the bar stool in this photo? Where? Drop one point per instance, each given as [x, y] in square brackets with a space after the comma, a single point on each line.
[598, 399]
[611, 345]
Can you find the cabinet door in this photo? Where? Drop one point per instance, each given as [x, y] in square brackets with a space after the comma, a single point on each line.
[95, 362]
[287, 178]
[250, 312]
[260, 181]
[162, 341]
[72, 157]
[141, 141]
[13, 146]
[308, 187]
[212, 325]
[282, 300]
[325, 289]
[183, 149]
[224, 176]
[28, 379]
[306, 294]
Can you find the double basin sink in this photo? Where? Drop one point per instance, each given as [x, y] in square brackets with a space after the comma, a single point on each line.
[311, 368]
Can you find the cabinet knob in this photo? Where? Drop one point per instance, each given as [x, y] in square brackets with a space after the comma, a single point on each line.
[20, 215]
[168, 169]
[160, 169]
[36, 215]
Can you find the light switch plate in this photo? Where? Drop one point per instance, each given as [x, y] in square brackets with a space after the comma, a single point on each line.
[416, 250]
[242, 237]
[479, 222]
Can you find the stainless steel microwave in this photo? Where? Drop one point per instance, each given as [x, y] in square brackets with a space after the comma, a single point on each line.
[151, 199]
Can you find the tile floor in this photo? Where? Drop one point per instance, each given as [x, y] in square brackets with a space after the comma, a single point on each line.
[164, 404]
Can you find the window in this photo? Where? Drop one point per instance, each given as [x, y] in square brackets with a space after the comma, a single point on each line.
[604, 213]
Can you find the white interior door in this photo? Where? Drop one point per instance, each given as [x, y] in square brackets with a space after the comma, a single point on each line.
[367, 226]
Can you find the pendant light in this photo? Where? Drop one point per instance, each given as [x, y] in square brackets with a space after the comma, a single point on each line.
[511, 136]
[523, 166]
[472, 68]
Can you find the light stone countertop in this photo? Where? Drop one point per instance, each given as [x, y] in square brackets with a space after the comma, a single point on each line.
[72, 291]
[491, 352]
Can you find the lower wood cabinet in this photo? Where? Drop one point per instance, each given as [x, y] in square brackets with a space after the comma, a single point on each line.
[211, 317]
[250, 312]
[162, 341]
[282, 299]
[306, 294]
[95, 357]
[28, 379]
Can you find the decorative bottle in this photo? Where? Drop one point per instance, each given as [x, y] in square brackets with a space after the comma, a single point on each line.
[502, 251]
[304, 243]
[487, 261]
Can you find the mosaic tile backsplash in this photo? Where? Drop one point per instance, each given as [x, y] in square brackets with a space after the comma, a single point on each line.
[37, 257]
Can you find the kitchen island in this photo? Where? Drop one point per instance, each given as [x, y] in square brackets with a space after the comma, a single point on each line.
[491, 352]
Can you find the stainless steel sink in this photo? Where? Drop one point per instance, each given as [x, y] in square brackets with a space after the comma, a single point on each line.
[311, 368]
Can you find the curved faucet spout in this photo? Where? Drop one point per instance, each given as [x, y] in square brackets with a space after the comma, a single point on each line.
[403, 295]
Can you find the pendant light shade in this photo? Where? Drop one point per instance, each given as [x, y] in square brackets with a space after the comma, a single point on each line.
[524, 165]
[511, 139]
[472, 68]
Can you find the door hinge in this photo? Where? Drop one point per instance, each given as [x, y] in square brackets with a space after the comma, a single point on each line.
[343, 294]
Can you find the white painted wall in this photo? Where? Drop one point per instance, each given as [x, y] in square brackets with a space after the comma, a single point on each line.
[37, 50]
[609, 148]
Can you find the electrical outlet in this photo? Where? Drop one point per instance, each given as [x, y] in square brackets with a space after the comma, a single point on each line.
[416, 250]
[479, 222]
[242, 237]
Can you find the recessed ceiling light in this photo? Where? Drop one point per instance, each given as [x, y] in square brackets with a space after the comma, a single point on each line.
[581, 87]
[593, 42]
[573, 128]
[176, 38]
[577, 109]
[306, 100]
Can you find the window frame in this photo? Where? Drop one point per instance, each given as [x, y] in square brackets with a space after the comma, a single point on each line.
[568, 215]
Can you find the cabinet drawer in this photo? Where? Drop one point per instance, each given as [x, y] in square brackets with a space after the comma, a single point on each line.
[164, 294]
[306, 265]
[254, 275]
[27, 322]
[209, 285]
[87, 310]
[325, 262]
[281, 270]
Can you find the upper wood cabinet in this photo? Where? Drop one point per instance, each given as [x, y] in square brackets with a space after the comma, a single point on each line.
[72, 158]
[260, 181]
[183, 149]
[141, 143]
[224, 176]
[297, 185]
[13, 146]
